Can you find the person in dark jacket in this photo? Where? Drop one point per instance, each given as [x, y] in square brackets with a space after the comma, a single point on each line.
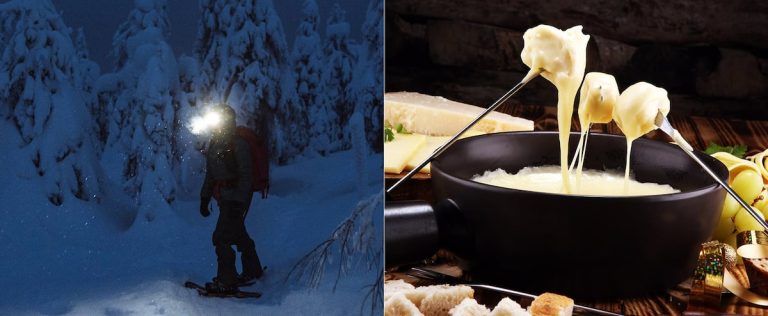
[228, 180]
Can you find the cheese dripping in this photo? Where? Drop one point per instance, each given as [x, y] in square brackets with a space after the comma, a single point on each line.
[597, 98]
[635, 114]
[561, 57]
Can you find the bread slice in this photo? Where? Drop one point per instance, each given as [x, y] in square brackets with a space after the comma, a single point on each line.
[398, 151]
[469, 307]
[439, 301]
[437, 116]
[508, 307]
[399, 305]
[392, 287]
[549, 304]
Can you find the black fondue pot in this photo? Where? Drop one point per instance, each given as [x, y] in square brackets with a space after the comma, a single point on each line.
[581, 246]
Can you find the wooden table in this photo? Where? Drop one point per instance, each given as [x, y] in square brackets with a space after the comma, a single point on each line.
[699, 131]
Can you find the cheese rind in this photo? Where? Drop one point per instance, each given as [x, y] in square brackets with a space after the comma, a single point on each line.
[398, 151]
[437, 116]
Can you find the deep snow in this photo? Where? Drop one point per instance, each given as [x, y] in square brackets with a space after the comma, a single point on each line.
[88, 259]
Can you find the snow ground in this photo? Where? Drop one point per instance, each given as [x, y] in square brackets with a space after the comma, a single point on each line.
[84, 259]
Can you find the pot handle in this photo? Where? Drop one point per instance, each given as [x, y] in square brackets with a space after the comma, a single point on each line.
[410, 232]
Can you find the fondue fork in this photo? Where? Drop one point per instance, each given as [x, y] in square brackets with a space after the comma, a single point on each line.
[444, 278]
[531, 74]
[663, 124]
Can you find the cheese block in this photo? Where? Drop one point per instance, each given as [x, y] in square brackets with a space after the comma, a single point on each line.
[437, 116]
[398, 151]
[431, 144]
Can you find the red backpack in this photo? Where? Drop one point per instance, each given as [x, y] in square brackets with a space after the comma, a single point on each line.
[260, 158]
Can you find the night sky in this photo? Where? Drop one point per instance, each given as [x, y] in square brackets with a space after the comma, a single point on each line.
[100, 20]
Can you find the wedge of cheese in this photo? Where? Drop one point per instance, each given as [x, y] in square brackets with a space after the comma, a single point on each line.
[399, 151]
[437, 116]
[431, 144]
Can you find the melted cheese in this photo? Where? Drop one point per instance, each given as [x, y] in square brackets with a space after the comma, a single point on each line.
[636, 109]
[561, 57]
[635, 113]
[597, 99]
[547, 179]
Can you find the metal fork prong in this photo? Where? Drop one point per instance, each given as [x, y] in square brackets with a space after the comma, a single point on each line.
[433, 275]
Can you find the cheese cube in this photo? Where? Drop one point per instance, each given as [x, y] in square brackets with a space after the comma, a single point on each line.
[398, 151]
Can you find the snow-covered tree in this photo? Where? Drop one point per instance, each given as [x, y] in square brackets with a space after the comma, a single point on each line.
[188, 147]
[368, 85]
[139, 98]
[241, 45]
[307, 59]
[86, 82]
[40, 76]
[146, 14]
[336, 78]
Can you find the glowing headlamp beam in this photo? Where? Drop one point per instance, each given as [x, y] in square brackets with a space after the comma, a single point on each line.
[201, 124]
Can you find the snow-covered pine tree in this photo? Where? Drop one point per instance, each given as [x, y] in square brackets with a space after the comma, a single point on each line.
[86, 82]
[189, 160]
[337, 76]
[307, 55]
[307, 59]
[139, 97]
[368, 86]
[241, 44]
[39, 73]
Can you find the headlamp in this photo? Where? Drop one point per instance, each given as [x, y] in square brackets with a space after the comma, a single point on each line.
[202, 124]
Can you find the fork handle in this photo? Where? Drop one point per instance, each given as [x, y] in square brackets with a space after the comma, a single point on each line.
[410, 232]
[415, 230]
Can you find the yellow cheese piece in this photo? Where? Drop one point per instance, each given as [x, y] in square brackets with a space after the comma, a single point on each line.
[431, 115]
[398, 151]
[431, 144]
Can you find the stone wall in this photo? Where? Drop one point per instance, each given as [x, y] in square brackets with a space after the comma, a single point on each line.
[712, 56]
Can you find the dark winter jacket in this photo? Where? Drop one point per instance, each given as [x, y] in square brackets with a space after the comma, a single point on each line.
[229, 170]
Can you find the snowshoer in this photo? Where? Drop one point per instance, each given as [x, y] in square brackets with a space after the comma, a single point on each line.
[228, 179]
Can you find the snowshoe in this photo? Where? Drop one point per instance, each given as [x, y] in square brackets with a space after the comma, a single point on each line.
[213, 291]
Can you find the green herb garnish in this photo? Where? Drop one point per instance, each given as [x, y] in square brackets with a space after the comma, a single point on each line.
[401, 130]
[738, 150]
[388, 135]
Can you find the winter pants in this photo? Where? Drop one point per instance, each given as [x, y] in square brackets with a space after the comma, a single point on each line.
[230, 230]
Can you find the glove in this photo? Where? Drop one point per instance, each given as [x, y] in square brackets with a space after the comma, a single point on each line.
[204, 210]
